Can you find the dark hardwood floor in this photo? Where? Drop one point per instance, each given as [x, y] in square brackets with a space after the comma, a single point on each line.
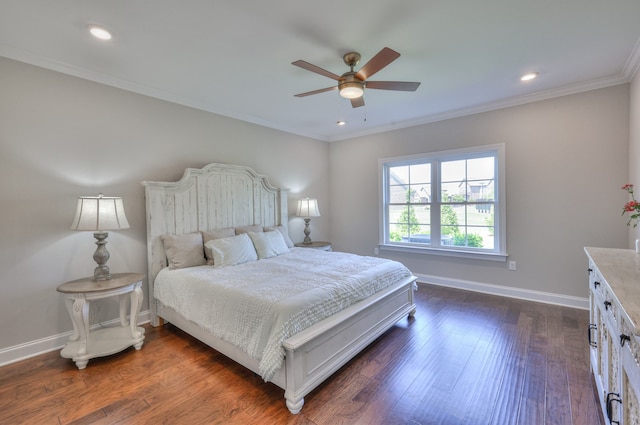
[466, 358]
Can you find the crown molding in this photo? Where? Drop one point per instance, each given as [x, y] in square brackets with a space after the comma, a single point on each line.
[632, 67]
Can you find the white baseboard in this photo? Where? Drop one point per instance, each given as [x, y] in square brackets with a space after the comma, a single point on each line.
[506, 291]
[55, 342]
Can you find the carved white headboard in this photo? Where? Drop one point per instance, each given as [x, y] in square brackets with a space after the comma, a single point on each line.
[214, 197]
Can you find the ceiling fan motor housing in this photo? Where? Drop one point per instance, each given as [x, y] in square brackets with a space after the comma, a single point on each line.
[351, 59]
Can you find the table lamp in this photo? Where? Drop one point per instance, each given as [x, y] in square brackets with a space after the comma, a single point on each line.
[99, 214]
[307, 208]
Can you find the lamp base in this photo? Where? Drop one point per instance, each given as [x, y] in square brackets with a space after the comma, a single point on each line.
[101, 256]
[307, 232]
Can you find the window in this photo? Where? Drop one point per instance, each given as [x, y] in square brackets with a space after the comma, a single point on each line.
[449, 202]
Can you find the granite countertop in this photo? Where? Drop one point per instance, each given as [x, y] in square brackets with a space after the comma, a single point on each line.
[621, 270]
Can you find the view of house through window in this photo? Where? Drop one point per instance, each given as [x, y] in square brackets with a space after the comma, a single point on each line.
[447, 200]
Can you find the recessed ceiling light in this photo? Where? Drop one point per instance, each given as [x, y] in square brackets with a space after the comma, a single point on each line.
[529, 76]
[341, 123]
[100, 32]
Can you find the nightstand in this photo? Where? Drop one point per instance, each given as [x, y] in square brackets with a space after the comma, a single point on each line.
[323, 246]
[86, 344]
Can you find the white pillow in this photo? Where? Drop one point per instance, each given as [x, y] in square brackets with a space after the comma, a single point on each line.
[215, 234]
[269, 244]
[233, 250]
[284, 232]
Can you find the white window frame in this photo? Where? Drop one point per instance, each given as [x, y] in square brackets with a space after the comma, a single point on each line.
[498, 253]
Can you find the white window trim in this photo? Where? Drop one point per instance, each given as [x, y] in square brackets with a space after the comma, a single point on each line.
[499, 255]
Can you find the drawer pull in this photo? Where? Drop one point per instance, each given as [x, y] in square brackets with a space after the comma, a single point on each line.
[611, 397]
[607, 304]
[624, 338]
[592, 327]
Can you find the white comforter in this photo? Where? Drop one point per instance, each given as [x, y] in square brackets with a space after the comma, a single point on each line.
[257, 305]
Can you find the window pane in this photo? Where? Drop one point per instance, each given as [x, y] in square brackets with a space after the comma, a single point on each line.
[395, 211]
[420, 193]
[481, 190]
[398, 194]
[399, 175]
[420, 234]
[420, 173]
[452, 215]
[480, 215]
[481, 168]
[422, 214]
[396, 233]
[453, 192]
[452, 171]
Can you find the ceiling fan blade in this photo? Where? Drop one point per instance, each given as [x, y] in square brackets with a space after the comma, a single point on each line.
[313, 68]
[357, 102]
[309, 93]
[392, 85]
[379, 61]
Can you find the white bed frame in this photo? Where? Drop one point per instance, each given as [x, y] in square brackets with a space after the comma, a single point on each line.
[219, 196]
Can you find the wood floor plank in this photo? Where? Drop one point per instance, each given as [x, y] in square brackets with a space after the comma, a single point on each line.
[509, 400]
[465, 359]
[532, 409]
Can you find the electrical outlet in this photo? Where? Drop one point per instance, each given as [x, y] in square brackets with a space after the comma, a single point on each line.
[512, 265]
[376, 251]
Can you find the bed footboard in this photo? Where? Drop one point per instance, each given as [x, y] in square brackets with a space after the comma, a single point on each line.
[316, 353]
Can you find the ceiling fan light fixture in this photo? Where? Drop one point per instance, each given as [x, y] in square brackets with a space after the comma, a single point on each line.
[351, 90]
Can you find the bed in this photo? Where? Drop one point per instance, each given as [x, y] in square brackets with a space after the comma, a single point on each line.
[221, 196]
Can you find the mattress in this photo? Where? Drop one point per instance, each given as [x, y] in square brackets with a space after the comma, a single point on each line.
[257, 305]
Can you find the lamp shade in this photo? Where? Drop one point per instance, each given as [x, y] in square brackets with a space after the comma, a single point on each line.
[100, 213]
[308, 207]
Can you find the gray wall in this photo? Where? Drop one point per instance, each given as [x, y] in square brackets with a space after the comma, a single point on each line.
[566, 161]
[62, 137]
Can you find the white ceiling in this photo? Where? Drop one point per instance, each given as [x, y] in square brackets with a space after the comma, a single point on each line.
[234, 58]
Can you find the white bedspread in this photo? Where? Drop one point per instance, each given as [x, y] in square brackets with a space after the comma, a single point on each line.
[257, 305]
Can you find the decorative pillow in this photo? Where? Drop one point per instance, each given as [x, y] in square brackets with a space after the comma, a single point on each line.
[184, 250]
[285, 234]
[256, 228]
[215, 234]
[233, 250]
[268, 244]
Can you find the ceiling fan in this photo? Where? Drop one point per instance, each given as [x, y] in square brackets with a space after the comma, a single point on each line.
[352, 84]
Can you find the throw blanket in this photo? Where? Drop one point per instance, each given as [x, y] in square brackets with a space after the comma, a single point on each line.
[259, 304]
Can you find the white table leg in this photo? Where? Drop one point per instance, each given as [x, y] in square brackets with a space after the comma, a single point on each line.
[80, 318]
[136, 305]
[68, 302]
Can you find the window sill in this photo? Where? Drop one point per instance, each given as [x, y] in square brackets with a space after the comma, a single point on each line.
[487, 256]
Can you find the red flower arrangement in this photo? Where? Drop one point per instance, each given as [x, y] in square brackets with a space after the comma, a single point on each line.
[632, 207]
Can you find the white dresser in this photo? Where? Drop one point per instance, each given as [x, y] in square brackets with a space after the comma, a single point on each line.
[614, 331]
